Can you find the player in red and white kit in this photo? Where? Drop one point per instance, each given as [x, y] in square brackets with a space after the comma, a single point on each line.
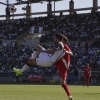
[87, 74]
[63, 66]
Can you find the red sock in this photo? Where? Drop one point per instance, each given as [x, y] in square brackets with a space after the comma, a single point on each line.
[85, 82]
[88, 82]
[65, 86]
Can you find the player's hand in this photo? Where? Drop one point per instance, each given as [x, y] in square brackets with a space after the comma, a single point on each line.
[65, 50]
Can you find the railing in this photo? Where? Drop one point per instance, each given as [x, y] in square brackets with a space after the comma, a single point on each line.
[58, 11]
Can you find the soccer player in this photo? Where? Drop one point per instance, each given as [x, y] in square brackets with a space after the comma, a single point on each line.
[87, 74]
[63, 65]
[46, 58]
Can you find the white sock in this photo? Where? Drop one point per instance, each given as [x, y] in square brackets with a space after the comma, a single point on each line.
[69, 96]
[34, 54]
[25, 67]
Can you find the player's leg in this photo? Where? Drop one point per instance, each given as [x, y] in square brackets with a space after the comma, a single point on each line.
[39, 55]
[35, 53]
[63, 75]
[88, 81]
[30, 62]
[65, 87]
[43, 61]
[25, 67]
[85, 80]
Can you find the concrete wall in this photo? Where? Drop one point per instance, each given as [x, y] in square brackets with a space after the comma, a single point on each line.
[30, 42]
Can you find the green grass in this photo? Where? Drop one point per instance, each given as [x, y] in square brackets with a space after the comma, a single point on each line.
[47, 92]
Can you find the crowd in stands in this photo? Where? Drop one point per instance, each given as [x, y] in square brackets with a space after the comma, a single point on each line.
[76, 27]
[11, 55]
[83, 29]
[11, 29]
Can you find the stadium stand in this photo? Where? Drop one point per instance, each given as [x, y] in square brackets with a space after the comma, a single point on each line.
[76, 27]
[81, 27]
[83, 31]
[13, 28]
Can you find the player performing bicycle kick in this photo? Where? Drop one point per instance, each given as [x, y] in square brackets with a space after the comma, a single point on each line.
[47, 58]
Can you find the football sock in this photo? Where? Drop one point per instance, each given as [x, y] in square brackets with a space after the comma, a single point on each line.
[69, 97]
[88, 82]
[65, 86]
[85, 82]
[25, 67]
[34, 54]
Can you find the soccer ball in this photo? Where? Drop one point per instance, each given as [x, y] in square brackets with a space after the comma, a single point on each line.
[12, 8]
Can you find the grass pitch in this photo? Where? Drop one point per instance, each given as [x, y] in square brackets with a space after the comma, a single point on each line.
[47, 92]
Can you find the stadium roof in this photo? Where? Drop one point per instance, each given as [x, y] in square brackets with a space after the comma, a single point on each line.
[36, 1]
[20, 2]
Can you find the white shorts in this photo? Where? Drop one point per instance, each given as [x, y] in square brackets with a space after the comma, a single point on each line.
[43, 59]
[43, 54]
[45, 62]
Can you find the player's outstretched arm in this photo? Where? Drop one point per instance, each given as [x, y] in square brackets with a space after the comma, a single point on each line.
[51, 51]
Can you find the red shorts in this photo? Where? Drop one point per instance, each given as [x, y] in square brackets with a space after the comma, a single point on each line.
[87, 77]
[62, 71]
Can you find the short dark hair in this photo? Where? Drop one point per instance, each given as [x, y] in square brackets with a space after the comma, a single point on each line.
[65, 39]
[59, 36]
